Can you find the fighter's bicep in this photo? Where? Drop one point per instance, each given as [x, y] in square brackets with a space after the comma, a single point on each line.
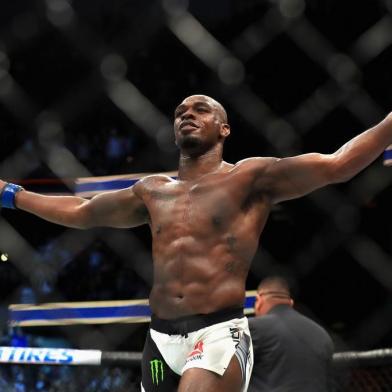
[121, 209]
[292, 177]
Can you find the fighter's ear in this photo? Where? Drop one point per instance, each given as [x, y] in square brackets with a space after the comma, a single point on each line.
[225, 130]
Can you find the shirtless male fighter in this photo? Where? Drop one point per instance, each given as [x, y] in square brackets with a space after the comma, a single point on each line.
[205, 229]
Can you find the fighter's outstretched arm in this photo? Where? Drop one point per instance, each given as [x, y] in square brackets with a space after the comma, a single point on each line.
[293, 177]
[121, 209]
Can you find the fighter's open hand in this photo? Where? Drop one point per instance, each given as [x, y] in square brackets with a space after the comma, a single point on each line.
[2, 185]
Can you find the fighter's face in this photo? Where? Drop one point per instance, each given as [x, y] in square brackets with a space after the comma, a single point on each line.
[198, 124]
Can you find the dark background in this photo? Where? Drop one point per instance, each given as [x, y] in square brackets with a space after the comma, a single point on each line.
[88, 88]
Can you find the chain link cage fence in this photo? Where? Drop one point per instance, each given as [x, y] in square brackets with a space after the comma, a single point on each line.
[87, 92]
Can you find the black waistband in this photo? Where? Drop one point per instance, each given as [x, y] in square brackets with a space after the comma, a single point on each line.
[188, 324]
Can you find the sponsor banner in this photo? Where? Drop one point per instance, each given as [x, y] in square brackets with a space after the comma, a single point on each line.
[97, 312]
[250, 302]
[49, 356]
[70, 313]
[388, 156]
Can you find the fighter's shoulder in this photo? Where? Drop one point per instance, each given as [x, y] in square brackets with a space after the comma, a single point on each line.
[151, 181]
[255, 164]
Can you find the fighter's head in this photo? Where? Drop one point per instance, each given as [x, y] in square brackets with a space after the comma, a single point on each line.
[272, 291]
[200, 123]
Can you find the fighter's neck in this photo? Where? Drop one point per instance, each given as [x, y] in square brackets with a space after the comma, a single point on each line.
[193, 167]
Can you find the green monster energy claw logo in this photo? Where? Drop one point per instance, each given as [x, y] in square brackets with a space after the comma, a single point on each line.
[156, 370]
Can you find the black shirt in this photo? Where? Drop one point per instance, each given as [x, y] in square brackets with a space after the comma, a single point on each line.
[291, 353]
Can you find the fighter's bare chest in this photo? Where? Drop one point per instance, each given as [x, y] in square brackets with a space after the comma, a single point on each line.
[218, 197]
[215, 198]
[178, 198]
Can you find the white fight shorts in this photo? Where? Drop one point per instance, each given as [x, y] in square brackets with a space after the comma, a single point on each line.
[201, 341]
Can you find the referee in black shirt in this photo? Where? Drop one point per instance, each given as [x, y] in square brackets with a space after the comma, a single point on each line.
[291, 352]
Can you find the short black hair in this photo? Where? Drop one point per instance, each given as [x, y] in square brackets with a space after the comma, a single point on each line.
[275, 284]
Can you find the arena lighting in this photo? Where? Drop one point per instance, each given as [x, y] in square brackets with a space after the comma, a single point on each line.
[4, 257]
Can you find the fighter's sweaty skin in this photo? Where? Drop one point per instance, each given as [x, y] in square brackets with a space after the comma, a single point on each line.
[205, 233]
